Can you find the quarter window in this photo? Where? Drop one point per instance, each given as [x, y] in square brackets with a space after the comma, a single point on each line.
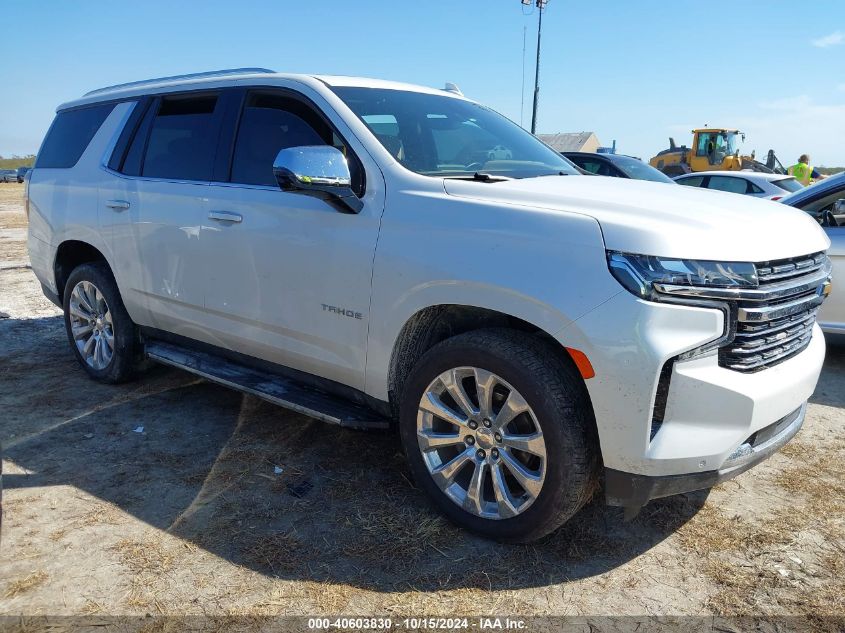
[692, 181]
[183, 139]
[70, 134]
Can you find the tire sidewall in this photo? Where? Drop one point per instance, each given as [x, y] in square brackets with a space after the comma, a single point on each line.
[122, 363]
[562, 441]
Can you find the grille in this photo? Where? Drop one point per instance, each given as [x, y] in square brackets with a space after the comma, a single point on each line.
[775, 322]
[770, 272]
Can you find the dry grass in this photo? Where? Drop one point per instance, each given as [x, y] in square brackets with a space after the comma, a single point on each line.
[149, 557]
[58, 535]
[747, 590]
[24, 585]
[281, 552]
[821, 482]
[711, 531]
[743, 556]
[102, 515]
[11, 206]
[394, 531]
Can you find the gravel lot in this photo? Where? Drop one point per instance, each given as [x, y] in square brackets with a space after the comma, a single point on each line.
[165, 496]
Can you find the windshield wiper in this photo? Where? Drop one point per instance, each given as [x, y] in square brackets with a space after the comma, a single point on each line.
[554, 173]
[480, 176]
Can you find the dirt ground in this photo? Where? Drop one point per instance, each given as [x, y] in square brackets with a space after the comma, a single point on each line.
[170, 495]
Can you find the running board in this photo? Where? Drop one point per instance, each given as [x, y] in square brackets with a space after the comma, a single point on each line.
[279, 390]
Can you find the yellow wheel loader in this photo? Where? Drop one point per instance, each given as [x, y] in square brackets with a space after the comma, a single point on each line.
[712, 149]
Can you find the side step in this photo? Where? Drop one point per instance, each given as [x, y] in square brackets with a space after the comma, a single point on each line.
[279, 390]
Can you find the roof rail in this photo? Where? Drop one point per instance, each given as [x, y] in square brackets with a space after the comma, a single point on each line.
[212, 73]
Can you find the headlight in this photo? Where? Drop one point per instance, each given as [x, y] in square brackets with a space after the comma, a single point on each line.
[639, 273]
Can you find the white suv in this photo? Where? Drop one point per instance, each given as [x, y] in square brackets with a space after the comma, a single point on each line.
[351, 249]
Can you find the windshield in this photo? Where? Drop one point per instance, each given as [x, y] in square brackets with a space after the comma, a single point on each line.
[731, 143]
[634, 168]
[443, 136]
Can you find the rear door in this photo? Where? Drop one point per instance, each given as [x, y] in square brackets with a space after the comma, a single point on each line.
[154, 207]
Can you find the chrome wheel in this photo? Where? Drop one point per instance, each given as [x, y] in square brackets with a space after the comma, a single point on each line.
[481, 442]
[91, 325]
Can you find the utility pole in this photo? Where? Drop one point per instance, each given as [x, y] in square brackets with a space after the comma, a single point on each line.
[541, 5]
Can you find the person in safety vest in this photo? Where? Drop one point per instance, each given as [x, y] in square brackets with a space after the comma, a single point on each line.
[803, 172]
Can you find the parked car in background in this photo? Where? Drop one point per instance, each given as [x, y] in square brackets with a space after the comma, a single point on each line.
[825, 201]
[21, 172]
[617, 166]
[500, 153]
[8, 175]
[749, 183]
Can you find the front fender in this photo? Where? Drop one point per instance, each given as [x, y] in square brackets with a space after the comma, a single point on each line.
[547, 269]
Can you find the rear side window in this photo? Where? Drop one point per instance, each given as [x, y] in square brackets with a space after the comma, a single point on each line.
[725, 183]
[692, 181]
[70, 134]
[183, 139]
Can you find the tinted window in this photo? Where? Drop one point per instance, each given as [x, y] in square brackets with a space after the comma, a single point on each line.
[638, 169]
[788, 184]
[271, 123]
[183, 139]
[726, 183]
[595, 166]
[692, 181]
[70, 134]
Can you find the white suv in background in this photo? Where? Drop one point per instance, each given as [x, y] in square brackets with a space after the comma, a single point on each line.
[350, 249]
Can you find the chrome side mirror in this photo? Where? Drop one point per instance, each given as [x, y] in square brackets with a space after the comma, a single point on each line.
[317, 170]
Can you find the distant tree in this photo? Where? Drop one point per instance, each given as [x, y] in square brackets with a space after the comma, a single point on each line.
[13, 162]
[827, 171]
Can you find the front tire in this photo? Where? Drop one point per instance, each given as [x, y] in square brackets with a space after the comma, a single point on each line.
[499, 432]
[101, 333]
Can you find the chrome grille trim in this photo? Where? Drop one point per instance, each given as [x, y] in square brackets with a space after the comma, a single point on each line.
[779, 310]
[772, 322]
[768, 272]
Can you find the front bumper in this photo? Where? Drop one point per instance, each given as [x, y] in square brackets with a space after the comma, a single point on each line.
[706, 411]
[631, 490]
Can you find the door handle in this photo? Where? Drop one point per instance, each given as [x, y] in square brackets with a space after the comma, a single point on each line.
[225, 216]
[117, 205]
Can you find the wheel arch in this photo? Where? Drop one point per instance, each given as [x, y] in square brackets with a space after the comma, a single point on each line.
[69, 255]
[431, 325]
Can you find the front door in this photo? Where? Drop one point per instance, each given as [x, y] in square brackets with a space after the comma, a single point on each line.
[289, 276]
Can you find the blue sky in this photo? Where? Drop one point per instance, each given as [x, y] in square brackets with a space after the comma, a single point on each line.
[636, 72]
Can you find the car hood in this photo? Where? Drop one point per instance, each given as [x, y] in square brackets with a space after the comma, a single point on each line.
[660, 219]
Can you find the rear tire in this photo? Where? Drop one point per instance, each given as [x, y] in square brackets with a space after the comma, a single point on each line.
[101, 334]
[500, 490]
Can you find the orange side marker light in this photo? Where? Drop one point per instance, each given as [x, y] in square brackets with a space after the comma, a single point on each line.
[582, 363]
